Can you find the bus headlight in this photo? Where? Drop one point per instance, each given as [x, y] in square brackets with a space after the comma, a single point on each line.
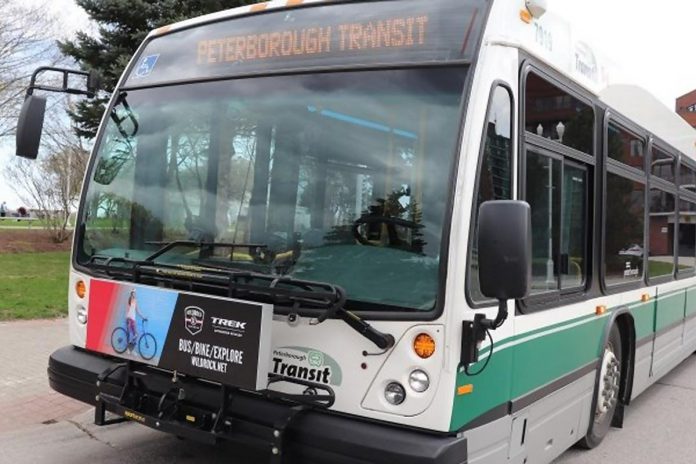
[395, 393]
[81, 314]
[419, 381]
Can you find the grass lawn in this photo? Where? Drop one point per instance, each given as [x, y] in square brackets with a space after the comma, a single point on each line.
[22, 224]
[658, 268]
[33, 285]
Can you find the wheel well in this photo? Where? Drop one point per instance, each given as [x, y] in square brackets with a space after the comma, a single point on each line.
[627, 329]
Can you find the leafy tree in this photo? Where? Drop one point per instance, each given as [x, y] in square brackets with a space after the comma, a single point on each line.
[122, 26]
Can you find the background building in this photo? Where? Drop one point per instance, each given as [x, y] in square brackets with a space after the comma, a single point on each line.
[686, 107]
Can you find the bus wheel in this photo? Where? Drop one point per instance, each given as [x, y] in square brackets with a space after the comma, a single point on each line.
[607, 392]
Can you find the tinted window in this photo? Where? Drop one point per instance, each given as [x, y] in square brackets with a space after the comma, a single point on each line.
[687, 236]
[687, 179]
[339, 177]
[662, 165]
[623, 245]
[554, 114]
[573, 226]
[557, 194]
[495, 177]
[626, 147]
[661, 259]
[543, 195]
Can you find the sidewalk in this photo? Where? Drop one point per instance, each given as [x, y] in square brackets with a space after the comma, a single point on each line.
[25, 397]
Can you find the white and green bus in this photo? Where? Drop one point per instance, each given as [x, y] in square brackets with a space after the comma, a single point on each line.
[414, 231]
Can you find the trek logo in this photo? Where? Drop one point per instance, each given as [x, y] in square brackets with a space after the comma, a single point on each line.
[228, 326]
[194, 317]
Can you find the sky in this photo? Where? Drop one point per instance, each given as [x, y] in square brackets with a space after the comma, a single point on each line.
[653, 42]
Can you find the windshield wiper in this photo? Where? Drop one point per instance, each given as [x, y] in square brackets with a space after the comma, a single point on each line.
[166, 247]
[300, 294]
[337, 309]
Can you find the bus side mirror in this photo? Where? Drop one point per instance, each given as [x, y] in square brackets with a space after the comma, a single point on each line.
[505, 267]
[505, 249]
[30, 126]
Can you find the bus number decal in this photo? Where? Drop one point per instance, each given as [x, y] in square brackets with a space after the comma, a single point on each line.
[543, 37]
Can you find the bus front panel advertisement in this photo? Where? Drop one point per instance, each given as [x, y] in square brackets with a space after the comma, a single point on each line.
[222, 340]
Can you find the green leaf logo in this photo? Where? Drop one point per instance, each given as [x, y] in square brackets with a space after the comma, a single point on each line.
[315, 358]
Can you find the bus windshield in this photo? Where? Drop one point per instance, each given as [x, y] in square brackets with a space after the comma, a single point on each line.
[336, 177]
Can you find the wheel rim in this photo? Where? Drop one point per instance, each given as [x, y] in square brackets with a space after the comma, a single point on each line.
[608, 384]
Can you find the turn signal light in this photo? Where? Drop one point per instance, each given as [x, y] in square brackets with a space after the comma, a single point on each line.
[80, 289]
[525, 16]
[424, 346]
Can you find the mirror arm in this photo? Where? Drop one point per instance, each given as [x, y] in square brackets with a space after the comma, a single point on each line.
[499, 319]
[90, 92]
[474, 333]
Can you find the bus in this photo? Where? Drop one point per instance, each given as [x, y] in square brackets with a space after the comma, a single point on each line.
[377, 231]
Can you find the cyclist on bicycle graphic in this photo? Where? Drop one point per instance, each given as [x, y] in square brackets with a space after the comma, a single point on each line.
[127, 337]
[132, 312]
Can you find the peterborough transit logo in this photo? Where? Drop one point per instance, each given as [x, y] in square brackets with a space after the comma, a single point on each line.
[306, 364]
[194, 317]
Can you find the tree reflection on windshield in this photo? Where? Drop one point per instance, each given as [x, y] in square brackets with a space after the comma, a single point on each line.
[341, 177]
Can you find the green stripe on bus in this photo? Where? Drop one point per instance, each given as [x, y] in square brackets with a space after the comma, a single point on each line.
[525, 367]
[669, 309]
[643, 318]
[691, 301]
[530, 364]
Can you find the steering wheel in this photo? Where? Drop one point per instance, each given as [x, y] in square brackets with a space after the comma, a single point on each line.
[391, 223]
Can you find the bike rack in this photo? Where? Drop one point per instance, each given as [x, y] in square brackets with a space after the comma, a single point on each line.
[162, 411]
[100, 406]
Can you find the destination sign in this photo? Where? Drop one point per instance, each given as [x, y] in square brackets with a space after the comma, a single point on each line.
[326, 35]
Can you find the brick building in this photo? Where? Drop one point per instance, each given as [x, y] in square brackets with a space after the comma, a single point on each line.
[686, 107]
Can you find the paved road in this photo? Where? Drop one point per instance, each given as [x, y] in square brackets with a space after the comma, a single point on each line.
[659, 427]
[25, 397]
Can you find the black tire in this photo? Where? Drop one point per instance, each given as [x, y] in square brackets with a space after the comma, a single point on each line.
[147, 346]
[119, 340]
[606, 396]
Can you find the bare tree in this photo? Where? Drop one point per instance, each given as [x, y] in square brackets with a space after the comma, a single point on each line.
[52, 184]
[27, 37]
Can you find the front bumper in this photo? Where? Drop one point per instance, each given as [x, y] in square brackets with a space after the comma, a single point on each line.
[310, 437]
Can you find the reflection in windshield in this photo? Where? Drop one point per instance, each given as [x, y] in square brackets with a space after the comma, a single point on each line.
[337, 177]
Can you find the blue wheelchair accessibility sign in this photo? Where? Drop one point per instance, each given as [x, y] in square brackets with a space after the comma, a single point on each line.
[146, 65]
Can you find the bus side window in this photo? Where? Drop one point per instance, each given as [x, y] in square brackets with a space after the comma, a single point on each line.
[687, 211]
[624, 237]
[495, 172]
[557, 193]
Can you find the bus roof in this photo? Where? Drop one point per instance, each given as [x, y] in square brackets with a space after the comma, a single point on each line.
[230, 13]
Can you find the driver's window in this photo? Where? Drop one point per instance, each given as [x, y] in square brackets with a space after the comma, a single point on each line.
[495, 172]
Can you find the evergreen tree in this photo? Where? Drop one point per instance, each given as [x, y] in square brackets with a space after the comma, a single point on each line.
[122, 26]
